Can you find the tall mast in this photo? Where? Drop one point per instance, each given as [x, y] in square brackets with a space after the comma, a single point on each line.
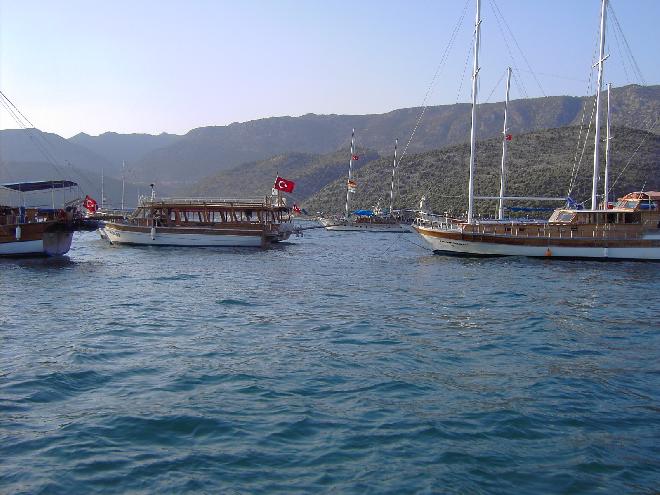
[123, 183]
[350, 172]
[606, 182]
[505, 141]
[102, 194]
[473, 136]
[396, 142]
[601, 59]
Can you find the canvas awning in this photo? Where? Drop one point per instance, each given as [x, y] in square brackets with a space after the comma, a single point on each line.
[40, 185]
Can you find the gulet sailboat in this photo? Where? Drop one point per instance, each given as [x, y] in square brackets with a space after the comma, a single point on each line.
[364, 220]
[629, 229]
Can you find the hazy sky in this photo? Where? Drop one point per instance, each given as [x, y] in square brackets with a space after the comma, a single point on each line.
[171, 66]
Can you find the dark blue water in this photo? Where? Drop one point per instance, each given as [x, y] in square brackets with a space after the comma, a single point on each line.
[340, 363]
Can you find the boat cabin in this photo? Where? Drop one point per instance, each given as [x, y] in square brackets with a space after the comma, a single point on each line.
[208, 213]
[637, 208]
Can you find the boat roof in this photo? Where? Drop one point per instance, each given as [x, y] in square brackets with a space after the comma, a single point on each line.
[40, 185]
[652, 195]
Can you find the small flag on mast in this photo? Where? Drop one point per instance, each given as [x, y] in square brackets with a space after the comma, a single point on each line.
[509, 137]
[355, 157]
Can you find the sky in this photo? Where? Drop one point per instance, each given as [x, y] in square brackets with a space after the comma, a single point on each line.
[171, 66]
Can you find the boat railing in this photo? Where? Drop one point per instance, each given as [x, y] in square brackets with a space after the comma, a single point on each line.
[546, 230]
[263, 201]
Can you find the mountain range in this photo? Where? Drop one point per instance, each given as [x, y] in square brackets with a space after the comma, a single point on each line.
[305, 147]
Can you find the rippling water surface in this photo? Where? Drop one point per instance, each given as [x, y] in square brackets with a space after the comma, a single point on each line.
[343, 363]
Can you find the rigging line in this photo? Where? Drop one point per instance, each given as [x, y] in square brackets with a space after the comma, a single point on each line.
[506, 25]
[627, 46]
[576, 164]
[584, 148]
[558, 76]
[621, 54]
[514, 65]
[650, 133]
[467, 60]
[418, 245]
[443, 60]
[497, 85]
[32, 132]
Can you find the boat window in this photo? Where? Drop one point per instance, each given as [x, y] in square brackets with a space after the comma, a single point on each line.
[632, 217]
[565, 217]
[630, 204]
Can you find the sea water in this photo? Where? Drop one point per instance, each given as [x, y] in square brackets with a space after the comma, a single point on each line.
[336, 363]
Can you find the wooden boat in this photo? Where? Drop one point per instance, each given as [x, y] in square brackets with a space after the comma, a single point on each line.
[629, 230]
[33, 231]
[202, 222]
[364, 220]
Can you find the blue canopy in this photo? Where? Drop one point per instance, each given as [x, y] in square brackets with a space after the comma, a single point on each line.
[40, 185]
[364, 213]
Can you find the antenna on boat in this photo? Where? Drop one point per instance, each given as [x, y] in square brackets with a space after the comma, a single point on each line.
[123, 182]
[606, 181]
[473, 136]
[505, 141]
[350, 171]
[396, 142]
[601, 59]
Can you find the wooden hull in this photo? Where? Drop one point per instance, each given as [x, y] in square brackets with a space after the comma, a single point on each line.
[458, 243]
[184, 236]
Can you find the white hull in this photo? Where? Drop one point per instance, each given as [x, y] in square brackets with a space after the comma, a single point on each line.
[116, 236]
[343, 226]
[475, 248]
[52, 244]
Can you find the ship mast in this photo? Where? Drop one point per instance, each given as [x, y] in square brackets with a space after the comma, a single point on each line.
[601, 59]
[123, 183]
[505, 141]
[350, 172]
[396, 142]
[473, 130]
[606, 181]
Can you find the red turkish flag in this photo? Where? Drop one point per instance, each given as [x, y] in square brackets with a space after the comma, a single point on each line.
[90, 204]
[355, 157]
[284, 185]
[509, 137]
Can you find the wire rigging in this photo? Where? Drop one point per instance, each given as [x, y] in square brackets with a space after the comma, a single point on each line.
[443, 61]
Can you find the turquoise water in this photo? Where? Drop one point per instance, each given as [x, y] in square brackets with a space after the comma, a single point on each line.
[339, 363]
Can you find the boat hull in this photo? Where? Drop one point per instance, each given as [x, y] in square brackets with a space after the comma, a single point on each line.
[456, 243]
[50, 244]
[182, 237]
[343, 226]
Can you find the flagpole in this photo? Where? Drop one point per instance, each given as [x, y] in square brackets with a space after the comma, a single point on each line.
[505, 141]
[396, 142]
[350, 172]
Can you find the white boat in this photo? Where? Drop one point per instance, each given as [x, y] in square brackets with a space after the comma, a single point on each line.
[202, 222]
[36, 231]
[629, 230]
[364, 220]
